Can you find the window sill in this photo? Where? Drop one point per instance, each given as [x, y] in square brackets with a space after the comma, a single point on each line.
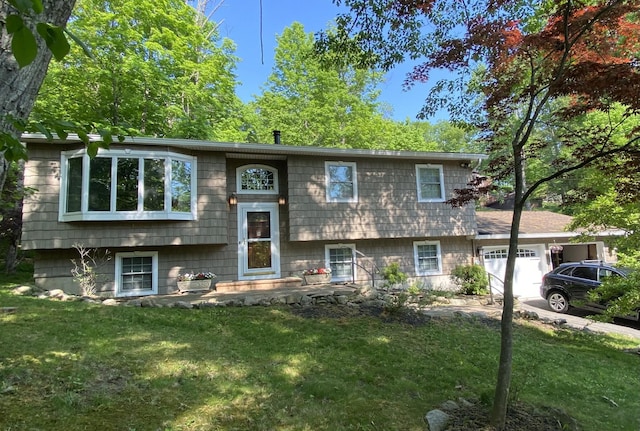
[125, 216]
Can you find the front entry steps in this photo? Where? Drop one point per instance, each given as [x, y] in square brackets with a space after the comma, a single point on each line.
[251, 285]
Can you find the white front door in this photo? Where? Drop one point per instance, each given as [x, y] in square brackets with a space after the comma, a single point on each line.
[258, 241]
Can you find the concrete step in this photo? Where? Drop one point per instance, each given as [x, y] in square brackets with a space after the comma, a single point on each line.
[252, 285]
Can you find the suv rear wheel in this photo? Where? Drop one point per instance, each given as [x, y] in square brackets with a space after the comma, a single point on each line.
[558, 302]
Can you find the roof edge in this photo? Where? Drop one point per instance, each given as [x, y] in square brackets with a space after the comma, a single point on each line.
[280, 149]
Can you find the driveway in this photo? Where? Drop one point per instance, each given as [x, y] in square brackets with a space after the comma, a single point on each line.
[577, 319]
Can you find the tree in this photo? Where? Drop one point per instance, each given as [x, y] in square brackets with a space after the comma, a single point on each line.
[313, 103]
[527, 68]
[11, 214]
[158, 69]
[21, 80]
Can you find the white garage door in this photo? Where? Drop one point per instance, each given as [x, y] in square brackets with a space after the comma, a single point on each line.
[530, 267]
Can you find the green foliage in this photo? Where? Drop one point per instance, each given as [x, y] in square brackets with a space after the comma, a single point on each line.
[392, 274]
[621, 294]
[314, 101]
[158, 70]
[23, 42]
[164, 368]
[472, 279]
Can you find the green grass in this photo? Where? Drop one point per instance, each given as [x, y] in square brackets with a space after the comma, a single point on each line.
[72, 366]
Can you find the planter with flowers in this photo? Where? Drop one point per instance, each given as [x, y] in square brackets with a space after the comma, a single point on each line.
[195, 281]
[317, 276]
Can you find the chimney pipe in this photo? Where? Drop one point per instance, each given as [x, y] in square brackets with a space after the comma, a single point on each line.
[276, 137]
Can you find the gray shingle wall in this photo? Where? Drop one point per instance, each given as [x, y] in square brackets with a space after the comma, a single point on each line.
[387, 204]
[43, 231]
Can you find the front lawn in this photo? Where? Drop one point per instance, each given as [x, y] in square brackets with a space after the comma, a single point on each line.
[71, 366]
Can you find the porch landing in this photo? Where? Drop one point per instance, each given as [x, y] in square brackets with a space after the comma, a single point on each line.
[253, 285]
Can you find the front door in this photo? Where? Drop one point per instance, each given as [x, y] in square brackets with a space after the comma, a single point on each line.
[258, 241]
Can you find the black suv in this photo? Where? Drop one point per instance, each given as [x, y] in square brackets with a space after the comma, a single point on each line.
[568, 284]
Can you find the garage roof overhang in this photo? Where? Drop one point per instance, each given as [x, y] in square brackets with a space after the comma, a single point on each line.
[550, 235]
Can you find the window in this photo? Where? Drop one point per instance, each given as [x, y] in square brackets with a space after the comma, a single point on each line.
[257, 179]
[341, 258]
[342, 184]
[586, 272]
[430, 183]
[127, 185]
[136, 273]
[427, 257]
[497, 254]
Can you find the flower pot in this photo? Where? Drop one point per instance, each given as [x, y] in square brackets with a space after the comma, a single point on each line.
[195, 285]
[317, 278]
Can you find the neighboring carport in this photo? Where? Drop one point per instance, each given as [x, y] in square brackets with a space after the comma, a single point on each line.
[543, 244]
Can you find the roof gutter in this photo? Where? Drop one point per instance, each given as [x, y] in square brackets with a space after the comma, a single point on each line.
[274, 149]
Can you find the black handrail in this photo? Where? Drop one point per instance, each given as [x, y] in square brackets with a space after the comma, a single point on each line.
[371, 273]
[491, 288]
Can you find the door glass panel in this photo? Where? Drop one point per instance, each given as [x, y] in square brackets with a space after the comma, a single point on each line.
[258, 225]
[259, 254]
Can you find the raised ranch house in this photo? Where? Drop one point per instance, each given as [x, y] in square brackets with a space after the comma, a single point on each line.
[250, 213]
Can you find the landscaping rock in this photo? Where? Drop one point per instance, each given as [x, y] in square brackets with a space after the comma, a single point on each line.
[251, 300]
[110, 301]
[182, 304]
[23, 290]
[449, 406]
[56, 294]
[437, 420]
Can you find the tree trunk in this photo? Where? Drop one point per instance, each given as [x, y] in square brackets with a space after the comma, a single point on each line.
[501, 397]
[19, 86]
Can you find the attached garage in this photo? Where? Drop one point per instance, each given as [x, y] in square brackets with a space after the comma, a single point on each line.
[543, 244]
[531, 265]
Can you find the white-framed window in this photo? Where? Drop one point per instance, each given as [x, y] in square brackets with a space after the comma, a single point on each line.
[341, 258]
[127, 185]
[257, 179]
[427, 257]
[136, 273]
[430, 180]
[341, 181]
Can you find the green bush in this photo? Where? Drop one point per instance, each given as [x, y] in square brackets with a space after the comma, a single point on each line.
[472, 279]
[392, 274]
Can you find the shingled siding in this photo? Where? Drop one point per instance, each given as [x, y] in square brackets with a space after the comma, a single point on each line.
[42, 230]
[52, 269]
[387, 204]
[297, 256]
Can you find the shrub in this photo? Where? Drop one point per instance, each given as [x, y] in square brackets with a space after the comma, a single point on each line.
[472, 279]
[392, 274]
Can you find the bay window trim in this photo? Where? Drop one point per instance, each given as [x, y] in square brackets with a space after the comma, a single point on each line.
[113, 214]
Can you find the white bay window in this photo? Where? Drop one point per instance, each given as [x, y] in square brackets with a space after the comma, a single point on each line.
[127, 185]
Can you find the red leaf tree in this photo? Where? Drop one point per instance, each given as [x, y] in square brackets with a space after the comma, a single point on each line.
[514, 71]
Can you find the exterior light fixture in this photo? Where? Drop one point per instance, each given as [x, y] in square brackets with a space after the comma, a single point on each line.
[282, 200]
[233, 199]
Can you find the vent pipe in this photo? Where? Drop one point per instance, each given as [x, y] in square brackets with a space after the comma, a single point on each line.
[276, 137]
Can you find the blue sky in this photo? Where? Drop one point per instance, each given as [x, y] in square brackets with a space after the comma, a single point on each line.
[241, 23]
